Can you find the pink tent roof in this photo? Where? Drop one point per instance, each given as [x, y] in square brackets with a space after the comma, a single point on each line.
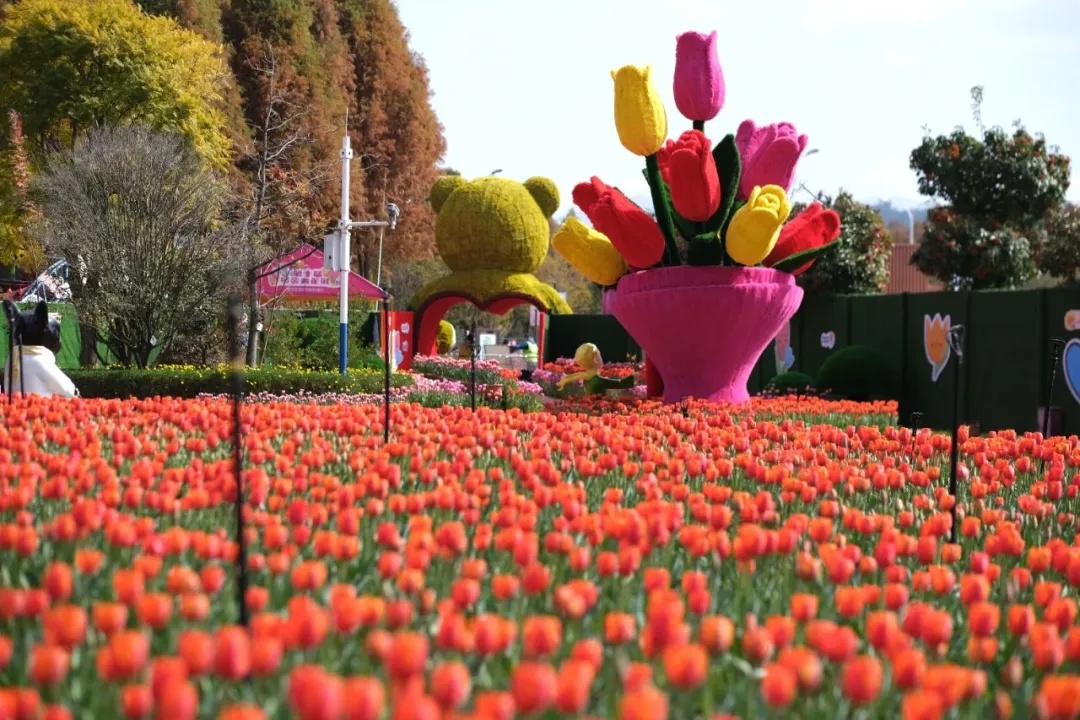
[299, 275]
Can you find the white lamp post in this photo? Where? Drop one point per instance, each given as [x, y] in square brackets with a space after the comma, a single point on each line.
[342, 262]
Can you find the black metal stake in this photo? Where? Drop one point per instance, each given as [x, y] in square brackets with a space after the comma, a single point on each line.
[1055, 359]
[237, 387]
[956, 345]
[387, 354]
[472, 370]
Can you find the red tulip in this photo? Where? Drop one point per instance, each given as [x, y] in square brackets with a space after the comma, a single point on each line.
[813, 227]
[631, 230]
[689, 170]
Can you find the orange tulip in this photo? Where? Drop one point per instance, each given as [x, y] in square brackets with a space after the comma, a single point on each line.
[646, 703]
[534, 687]
[49, 664]
[779, 686]
[861, 679]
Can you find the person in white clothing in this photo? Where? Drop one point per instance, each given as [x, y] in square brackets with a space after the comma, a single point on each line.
[32, 369]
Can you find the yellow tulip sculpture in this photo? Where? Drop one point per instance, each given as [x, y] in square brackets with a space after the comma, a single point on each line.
[589, 252]
[640, 117]
[755, 227]
[702, 207]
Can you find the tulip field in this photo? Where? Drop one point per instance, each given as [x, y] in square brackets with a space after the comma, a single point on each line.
[788, 559]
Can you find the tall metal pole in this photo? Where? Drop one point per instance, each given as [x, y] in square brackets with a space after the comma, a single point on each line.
[344, 261]
[472, 372]
[388, 353]
[956, 345]
[378, 271]
[1055, 359]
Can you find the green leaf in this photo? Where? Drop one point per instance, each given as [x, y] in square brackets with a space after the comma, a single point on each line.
[729, 168]
[794, 262]
[685, 228]
[722, 234]
[706, 249]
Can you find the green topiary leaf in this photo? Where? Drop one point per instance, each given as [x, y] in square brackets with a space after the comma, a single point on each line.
[729, 168]
[706, 249]
[796, 261]
[722, 234]
[684, 227]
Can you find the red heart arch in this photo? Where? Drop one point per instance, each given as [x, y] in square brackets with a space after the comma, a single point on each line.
[427, 315]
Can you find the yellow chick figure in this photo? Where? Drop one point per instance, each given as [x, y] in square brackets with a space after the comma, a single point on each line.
[588, 358]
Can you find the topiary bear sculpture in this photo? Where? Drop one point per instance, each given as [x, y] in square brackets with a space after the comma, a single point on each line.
[493, 234]
[31, 365]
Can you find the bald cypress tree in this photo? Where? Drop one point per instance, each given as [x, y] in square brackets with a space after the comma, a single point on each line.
[331, 57]
[398, 138]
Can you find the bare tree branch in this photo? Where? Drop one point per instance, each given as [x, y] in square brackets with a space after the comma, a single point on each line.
[138, 215]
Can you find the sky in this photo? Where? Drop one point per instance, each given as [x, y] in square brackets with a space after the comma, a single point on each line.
[525, 87]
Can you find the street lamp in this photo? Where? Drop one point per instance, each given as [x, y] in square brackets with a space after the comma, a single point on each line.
[341, 262]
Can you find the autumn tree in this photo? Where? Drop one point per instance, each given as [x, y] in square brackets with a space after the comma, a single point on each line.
[68, 66]
[203, 16]
[398, 138]
[997, 188]
[17, 211]
[858, 264]
[279, 187]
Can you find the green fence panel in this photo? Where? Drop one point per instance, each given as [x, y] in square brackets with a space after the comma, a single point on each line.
[930, 366]
[70, 340]
[565, 333]
[1002, 359]
[1061, 321]
[875, 321]
[823, 328]
[69, 336]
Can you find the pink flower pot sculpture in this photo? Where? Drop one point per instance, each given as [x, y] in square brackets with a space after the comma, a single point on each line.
[705, 327]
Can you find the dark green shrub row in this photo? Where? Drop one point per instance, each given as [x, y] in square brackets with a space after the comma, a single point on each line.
[851, 373]
[190, 382]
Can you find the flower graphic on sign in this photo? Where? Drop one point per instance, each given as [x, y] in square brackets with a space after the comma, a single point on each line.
[936, 343]
[785, 356]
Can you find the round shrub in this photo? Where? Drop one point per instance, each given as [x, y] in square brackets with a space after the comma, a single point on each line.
[857, 373]
[446, 337]
[792, 382]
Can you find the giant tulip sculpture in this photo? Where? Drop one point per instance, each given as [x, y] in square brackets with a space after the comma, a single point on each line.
[706, 282]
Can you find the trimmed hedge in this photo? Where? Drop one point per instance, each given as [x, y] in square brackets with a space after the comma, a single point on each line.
[792, 382]
[187, 382]
[857, 373]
